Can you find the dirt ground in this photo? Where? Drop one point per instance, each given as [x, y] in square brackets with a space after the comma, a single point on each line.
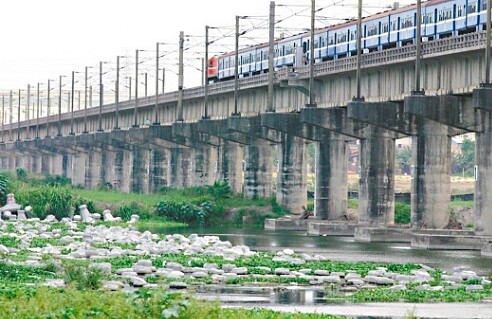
[459, 185]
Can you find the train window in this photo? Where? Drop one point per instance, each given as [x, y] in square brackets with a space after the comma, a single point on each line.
[342, 38]
[372, 30]
[407, 23]
[331, 40]
[428, 18]
[353, 35]
[385, 27]
[472, 7]
[484, 5]
[394, 25]
[461, 11]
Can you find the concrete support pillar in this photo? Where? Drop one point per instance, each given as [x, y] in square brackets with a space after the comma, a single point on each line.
[231, 165]
[93, 169]
[204, 165]
[377, 178]
[12, 165]
[483, 183]
[159, 169]
[180, 167]
[78, 169]
[21, 162]
[330, 197]
[292, 175]
[67, 165]
[4, 162]
[258, 171]
[36, 163]
[57, 164]
[108, 158]
[431, 150]
[140, 171]
[46, 164]
[122, 168]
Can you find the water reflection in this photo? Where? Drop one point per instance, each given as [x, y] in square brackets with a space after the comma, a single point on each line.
[343, 248]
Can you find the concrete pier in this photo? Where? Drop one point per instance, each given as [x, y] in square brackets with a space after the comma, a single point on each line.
[258, 170]
[78, 169]
[231, 165]
[140, 171]
[482, 102]
[431, 190]
[330, 199]
[204, 165]
[180, 171]
[159, 169]
[377, 178]
[122, 170]
[93, 168]
[292, 175]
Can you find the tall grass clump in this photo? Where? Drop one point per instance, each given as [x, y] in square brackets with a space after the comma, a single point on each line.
[45, 200]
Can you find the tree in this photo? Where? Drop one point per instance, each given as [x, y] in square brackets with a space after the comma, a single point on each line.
[404, 159]
[465, 159]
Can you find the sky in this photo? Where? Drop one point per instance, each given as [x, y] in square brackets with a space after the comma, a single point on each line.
[42, 40]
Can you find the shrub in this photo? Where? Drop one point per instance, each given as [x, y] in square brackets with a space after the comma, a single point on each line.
[126, 211]
[83, 278]
[185, 212]
[402, 213]
[47, 200]
[57, 180]
[220, 190]
[3, 190]
[21, 174]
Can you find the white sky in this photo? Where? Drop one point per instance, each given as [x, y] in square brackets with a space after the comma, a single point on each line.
[42, 39]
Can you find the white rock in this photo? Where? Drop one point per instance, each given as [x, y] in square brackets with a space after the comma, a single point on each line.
[137, 281]
[288, 251]
[239, 271]
[282, 271]
[321, 272]
[178, 285]
[4, 250]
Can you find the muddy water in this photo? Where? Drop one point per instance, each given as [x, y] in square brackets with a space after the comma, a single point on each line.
[345, 248]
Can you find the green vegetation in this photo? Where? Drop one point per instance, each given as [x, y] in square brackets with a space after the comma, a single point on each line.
[201, 206]
[386, 295]
[144, 304]
[402, 213]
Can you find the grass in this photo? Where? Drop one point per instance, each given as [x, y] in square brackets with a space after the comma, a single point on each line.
[386, 295]
[72, 303]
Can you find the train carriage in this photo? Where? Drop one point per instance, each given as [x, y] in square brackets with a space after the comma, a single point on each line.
[392, 28]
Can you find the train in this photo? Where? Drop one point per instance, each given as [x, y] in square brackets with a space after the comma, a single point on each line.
[388, 29]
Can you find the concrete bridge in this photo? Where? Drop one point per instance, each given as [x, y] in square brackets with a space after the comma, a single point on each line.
[139, 146]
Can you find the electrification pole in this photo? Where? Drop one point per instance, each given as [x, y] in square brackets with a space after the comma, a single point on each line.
[418, 48]
[101, 97]
[359, 51]
[271, 57]
[205, 77]
[236, 70]
[135, 119]
[59, 105]
[180, 78]
[312, 102]
[156, 106]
